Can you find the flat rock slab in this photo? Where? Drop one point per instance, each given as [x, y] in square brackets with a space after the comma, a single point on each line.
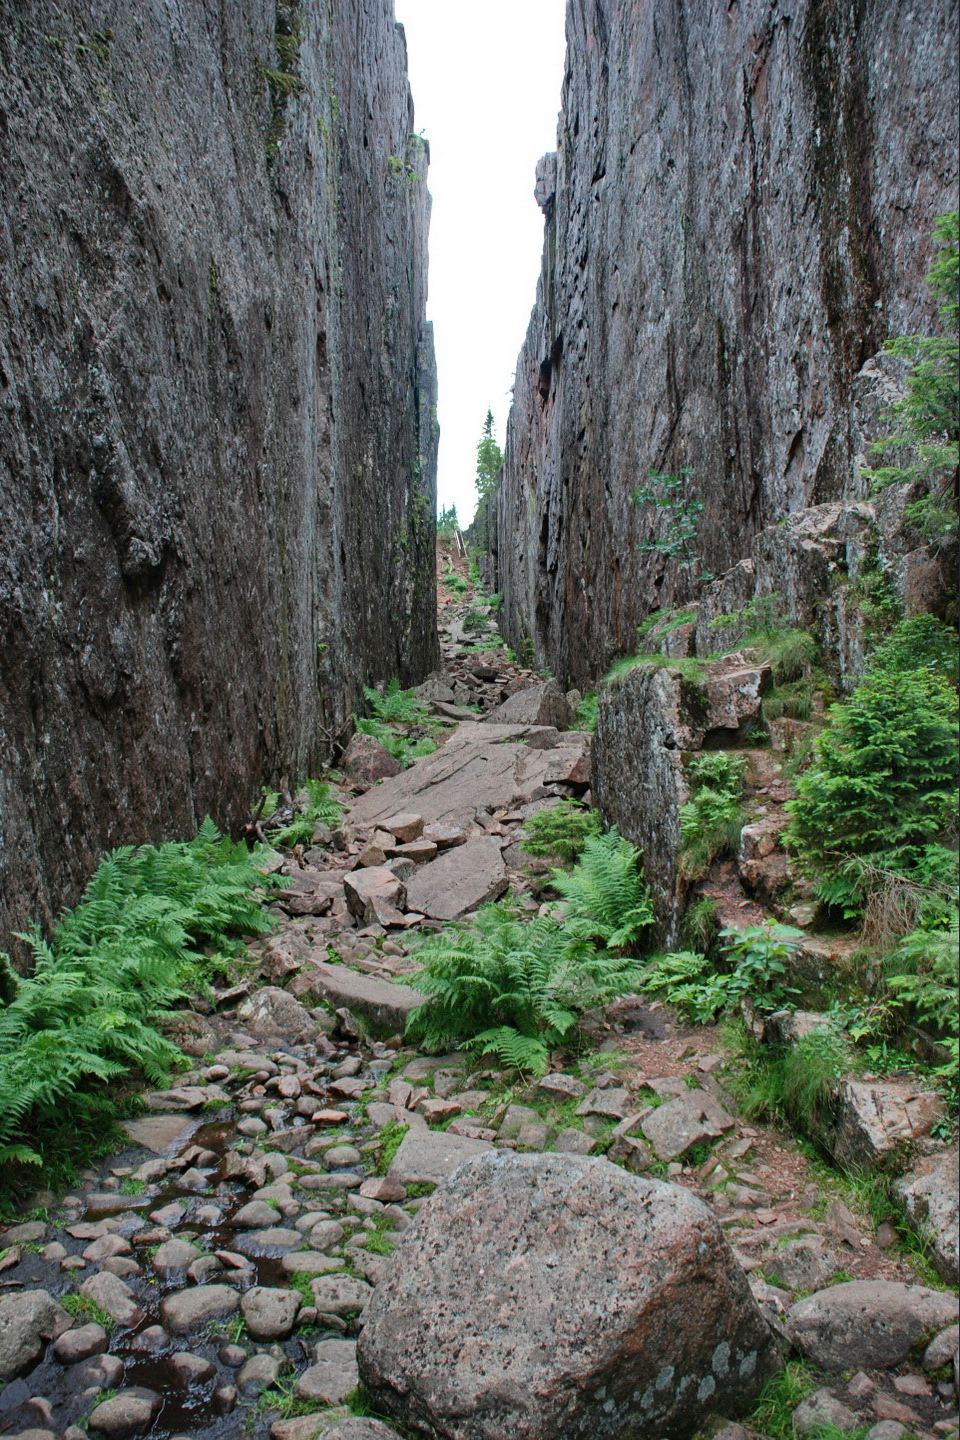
[539, 1296]
[161, 1134]
[460, 880]
[867, 1323]
[674, 1127]
[384, 1005]
[426, 1157]
[451, 784]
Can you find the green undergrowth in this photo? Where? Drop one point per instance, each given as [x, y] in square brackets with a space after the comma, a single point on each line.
[153, 923]
[87, 1311]
[711, 820]
[754, 964]
[562, 832]
[394, 707]
[316, 804]
[513, 987]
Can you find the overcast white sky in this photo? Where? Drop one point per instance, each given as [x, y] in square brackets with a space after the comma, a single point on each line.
[486, 88]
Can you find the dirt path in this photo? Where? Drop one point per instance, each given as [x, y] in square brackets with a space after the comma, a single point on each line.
[221, 1263]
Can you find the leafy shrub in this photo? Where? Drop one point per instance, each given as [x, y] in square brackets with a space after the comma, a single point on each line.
[711, 820]
[680, 513]
[561, 832]
[319, 805]
[883, 777]
[607, 891]
[759, 956]
[510, 987]
[457, 583]
[112, 968]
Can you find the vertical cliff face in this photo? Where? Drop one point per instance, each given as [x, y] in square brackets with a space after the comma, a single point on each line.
[737, 216]
[217, 435]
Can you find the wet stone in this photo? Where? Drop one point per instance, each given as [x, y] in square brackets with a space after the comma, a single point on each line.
[255, 1216]
[190, 1310]
[191, 1369]
[257, 1374]
[174, 1256]
[127, 1414]
[269, 1312]
[79, 1344]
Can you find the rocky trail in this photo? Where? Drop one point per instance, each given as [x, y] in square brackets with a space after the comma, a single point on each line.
[215, 1277]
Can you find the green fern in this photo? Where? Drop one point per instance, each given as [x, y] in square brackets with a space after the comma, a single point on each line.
[320, 806]
[607, 891]
[399, 746]
[561, 832]
[109, 973]
[511, 987]
[394, 704]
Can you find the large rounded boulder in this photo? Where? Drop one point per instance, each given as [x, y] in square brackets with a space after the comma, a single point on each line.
[544, 1295]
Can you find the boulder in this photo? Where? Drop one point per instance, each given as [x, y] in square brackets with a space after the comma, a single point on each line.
[127, 1414]
[365, 760]
[257, 1373]
[541, 704]
[685, 1121]
[545, 1295]
[459, 880]
[80, 1344]
[931, 1199]
[877, 1117]
[272, 1011]
[867, 1323]
[340, 1295]
[821, 1410]
[382, 1004]
[372, 886]
[163, 1134]
[27, 1321]
[428, 1156]
[802, 1264]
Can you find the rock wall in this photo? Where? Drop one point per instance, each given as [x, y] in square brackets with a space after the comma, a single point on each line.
[217, 433]
[738, 214]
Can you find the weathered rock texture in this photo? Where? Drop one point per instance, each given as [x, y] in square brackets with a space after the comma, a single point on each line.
[545, 1295]
[216, 411]
[738, 215]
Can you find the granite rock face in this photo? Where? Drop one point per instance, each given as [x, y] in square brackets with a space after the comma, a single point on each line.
[546, 1295]
[738, 214]
[217, 435]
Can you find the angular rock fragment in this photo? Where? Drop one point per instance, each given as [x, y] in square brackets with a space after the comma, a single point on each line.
[460, 880]
[877, 1117]
[931, 1199]
[382, 1004]
[366, 760]
[545, 1295]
